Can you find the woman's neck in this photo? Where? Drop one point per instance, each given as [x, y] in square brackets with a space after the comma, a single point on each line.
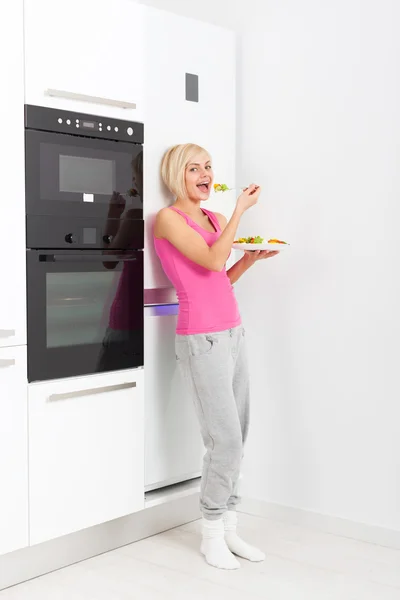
[189, 207]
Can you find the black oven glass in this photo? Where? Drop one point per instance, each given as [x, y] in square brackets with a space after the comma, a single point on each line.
[85, 312]
[78, 307]
[85, 175]
[70, 176]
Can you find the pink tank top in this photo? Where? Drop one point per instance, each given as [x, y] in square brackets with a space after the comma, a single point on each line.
[207, 302]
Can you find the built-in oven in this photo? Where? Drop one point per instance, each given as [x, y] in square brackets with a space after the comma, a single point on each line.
[85, 238]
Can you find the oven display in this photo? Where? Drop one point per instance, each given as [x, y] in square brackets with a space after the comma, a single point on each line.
[88, 124]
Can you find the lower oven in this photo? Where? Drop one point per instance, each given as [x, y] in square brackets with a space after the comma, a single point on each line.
[85, 312]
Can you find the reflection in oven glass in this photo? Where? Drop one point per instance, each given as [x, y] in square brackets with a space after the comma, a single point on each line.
[123, 336]
[78, 307]
[124, 333]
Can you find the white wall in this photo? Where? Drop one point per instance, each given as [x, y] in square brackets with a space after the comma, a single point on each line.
[319, 125]
[225, 13]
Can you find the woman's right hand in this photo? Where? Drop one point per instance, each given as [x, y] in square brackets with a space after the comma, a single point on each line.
[248, 198]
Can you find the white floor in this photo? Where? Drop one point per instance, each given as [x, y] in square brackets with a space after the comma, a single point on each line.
[301, 564]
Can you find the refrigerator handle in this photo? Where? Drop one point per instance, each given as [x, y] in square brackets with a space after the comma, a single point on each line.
[161, 310]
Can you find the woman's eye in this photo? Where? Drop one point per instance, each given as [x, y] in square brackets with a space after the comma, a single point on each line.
[208, 167]
[193, 169]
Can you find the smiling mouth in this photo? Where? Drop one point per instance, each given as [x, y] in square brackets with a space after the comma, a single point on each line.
[204, 187]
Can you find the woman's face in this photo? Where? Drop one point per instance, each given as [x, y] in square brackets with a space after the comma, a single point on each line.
[199, 178]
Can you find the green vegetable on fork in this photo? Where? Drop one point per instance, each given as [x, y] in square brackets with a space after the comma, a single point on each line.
[221, 187]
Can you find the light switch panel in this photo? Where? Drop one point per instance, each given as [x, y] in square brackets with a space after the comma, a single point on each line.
[192, 87]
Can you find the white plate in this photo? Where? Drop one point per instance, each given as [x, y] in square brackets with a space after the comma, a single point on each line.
[264, 246]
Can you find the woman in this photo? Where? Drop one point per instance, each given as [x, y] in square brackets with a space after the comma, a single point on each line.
[193, 245]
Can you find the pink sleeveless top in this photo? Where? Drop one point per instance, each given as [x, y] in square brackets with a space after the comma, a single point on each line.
[206, 299]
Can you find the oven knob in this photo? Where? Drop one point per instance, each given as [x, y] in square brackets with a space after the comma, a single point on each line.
[129, 131]
[107, 239]
[70, 238]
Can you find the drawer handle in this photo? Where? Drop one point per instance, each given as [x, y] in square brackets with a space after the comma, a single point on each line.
[92, 391]
[161, 310]
[7, 332]
[91, 99]
[7, 362]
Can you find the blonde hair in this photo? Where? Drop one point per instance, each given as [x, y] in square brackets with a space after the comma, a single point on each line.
[174, 164]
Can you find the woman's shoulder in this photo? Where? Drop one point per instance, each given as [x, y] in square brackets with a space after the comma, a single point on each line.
[169, 215]
[166, 218]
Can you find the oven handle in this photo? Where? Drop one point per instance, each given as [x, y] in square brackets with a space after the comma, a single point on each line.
[84, 258]
[92, 99]
[7, 362]
[92, 391]
[7, 333]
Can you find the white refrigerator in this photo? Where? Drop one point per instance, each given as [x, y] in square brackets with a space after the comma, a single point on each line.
[174, 448]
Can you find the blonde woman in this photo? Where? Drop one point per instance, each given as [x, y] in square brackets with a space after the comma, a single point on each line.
[193, 245]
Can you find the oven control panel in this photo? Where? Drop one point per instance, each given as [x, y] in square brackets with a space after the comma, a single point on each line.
[80, 234]
[64, 121]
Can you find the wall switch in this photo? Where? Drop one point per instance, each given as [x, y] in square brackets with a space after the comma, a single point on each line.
[192, 87]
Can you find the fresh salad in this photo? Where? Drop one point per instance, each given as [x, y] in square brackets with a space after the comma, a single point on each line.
[274, 241]
[257, 240]
[250, 240]
[220, 187]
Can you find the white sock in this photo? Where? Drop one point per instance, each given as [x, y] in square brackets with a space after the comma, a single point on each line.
[214, 546]
[235, 543]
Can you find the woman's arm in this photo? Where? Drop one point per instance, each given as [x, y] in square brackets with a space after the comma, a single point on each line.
[247, 260]
[115, 210]
[237, 270]
[172, 227]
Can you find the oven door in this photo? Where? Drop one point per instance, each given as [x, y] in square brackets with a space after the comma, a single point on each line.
[72, 176]
[85, 312]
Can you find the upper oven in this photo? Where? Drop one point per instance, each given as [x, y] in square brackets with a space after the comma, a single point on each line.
[75, 163]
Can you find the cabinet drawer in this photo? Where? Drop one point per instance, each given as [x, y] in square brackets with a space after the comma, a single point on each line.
[13, 450]
[86, 452]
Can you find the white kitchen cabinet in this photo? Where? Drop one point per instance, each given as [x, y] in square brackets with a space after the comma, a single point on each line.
[12, 176]
[85, 47]
[174, 448]
[175, 46]
[86, 452]
[13, 450]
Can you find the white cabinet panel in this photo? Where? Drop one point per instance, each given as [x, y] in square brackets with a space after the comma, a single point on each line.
[175, 46]
[85, 47]
[174, 448]
[86, 452]
[12, 177]
[13, 450]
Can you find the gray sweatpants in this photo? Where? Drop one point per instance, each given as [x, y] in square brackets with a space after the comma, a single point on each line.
[215, 368]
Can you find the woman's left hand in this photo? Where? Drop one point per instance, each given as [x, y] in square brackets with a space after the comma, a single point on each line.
[252, 256]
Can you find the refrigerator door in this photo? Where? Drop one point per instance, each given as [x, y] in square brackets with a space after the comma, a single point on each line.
[173, 445]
